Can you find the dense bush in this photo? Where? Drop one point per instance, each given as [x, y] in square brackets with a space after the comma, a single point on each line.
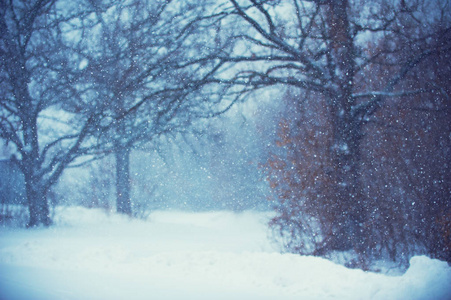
[403, 173]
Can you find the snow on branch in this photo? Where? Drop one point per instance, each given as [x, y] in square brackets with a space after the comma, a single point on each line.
[389, 94]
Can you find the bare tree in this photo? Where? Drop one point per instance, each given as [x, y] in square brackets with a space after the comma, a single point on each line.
[327, 50]
[32, 89]
[147, 61]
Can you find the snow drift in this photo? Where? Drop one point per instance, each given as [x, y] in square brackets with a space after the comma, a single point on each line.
[90, 254]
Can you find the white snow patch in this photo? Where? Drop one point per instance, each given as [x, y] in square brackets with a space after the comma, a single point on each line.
[83, 64]
[90, 254]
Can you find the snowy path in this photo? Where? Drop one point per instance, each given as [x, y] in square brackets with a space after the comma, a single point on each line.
[176, 255]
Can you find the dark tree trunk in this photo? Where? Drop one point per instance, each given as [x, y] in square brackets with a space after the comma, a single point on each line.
[347, 191]
[345, 152]
[123, 201]
[38, 205]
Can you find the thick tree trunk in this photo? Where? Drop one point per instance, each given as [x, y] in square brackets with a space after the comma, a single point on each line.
[347, 201]
[38, 205]
[123, 201]
[30, 164]
[347, 190]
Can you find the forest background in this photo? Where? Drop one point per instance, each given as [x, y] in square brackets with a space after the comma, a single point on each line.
[147, 104]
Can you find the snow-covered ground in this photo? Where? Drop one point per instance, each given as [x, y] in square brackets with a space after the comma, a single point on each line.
[89, 254]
